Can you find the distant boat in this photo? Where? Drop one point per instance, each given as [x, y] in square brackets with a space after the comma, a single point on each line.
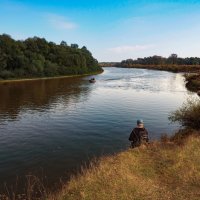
[92, 80]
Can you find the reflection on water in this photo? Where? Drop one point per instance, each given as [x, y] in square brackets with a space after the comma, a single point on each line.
[40, 95]
[54, 126]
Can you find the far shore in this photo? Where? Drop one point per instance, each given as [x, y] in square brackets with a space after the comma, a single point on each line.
[170, 67]
[48, 78]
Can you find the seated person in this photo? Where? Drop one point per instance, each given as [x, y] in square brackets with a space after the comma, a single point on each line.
[139, 135]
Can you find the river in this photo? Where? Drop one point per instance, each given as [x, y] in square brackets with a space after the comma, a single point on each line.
[52, 127]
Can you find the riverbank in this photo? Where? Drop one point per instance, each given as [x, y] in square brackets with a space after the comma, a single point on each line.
[167, 169]
[171, 68]
[193, 82]
[162, 170]
[48, 78]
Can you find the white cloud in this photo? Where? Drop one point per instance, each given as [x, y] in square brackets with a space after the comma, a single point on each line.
[127, 48]
[59, 22]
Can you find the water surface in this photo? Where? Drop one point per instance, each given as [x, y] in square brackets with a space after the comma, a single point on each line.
[51, 127]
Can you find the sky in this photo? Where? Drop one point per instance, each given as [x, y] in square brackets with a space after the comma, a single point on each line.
[113, 30]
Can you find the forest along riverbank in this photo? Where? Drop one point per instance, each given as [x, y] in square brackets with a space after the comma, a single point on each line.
[37, 58]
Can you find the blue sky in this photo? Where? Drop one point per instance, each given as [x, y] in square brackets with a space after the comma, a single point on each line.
[112, 30]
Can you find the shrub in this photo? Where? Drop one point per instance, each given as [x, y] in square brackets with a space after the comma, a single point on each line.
[6, 74]
[188, 115]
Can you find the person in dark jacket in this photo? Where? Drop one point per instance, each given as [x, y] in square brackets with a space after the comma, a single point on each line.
[139, 135]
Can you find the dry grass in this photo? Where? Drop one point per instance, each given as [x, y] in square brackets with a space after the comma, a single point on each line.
[162, 170]
[167, 67]
[193, 82]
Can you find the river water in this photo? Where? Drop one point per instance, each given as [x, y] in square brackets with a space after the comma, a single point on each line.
[52, 127]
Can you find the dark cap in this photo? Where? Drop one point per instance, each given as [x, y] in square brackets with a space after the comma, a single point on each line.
[140, 121]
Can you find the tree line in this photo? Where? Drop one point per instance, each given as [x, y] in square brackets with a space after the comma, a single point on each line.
[36, 57]
[173, 59]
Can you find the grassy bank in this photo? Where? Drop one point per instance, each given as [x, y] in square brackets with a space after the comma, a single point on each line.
[169, 67]
[162, 170]
[47, 78]
[193, 82]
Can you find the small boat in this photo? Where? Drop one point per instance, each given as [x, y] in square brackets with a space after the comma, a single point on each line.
[92, 80]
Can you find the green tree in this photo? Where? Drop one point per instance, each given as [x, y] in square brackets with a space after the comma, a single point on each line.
[173, 58]
[35, 57]
[63, 43]
[75, 46]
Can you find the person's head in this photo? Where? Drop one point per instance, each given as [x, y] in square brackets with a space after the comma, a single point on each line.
[140, 123]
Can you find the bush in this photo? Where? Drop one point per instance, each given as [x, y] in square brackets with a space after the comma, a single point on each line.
[5, 74]
[188, 115]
